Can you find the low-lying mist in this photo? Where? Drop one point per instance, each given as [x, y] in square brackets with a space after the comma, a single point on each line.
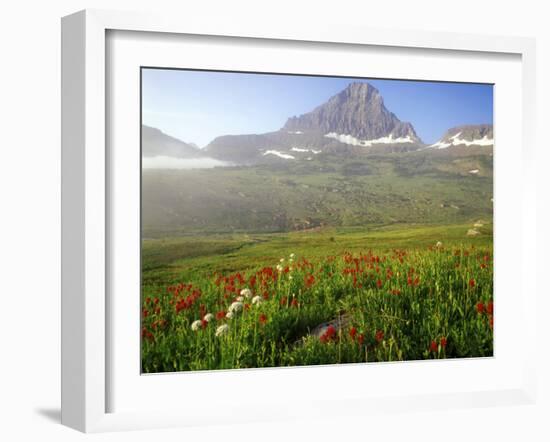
[165, 162]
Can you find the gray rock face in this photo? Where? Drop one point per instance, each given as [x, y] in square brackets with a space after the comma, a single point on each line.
[358, 111]
[156, 143]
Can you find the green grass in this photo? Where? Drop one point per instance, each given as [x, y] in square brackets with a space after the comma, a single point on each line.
[399, 297]
[371, 190]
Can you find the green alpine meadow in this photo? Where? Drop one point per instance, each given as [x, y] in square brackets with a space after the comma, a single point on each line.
[340, 236]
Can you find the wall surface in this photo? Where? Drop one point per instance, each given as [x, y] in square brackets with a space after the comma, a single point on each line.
[30, 217]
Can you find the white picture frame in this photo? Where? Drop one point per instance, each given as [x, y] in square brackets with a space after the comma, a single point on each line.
[86, 210]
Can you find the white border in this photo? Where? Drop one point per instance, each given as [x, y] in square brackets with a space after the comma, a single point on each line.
[127, 51]
[83, 332]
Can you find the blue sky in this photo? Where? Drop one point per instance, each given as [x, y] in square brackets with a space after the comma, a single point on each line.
[197, 106]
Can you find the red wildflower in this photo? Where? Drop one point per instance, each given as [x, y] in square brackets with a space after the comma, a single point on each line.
[180, 305]
[379, 336]
[220, 315]
[378, 283]
[204, 323]
[472, 283]
[156, 301]
[145, 313]
[480, 307]
[147, 334]
[309, 280]
[443, 342]
[352, 332]
[331, 331]
[396, 292]
[147, 300]
[490, 308]
[284, 300]
[433, 346]
[294, 302]
[360, 338]
[262, 318]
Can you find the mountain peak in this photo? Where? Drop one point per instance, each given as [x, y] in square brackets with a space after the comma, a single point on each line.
[357, 111]
[154, 142]
[361, 90]
[360, 85]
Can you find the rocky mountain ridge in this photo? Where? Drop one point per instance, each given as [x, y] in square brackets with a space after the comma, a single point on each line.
[357, 112]
[353, 122]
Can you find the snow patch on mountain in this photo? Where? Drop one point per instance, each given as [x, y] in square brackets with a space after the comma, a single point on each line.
[455, 140]
[279, 154]
[349, 139]
[300, 149]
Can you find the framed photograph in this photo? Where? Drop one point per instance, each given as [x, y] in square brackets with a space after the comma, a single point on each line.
[251, 212]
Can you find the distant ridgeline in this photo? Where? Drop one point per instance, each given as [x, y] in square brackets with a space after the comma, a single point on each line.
[353, 122]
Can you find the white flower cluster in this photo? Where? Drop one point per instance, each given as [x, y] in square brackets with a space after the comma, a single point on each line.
[235, 308]
[196, 325]
[222, 329]
[247, 293]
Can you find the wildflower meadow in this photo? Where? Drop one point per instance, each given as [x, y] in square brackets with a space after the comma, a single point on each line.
[426, 300]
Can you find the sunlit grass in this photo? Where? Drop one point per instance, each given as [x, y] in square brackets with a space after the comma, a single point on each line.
[388, 293]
